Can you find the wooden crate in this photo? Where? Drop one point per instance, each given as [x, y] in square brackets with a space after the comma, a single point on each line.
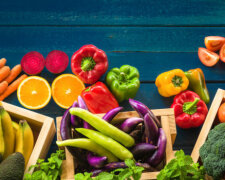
[43, 128]
[210, 121]
[168, 124]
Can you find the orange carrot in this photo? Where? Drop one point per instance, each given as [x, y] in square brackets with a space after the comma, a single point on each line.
[15, 71]
[2, 62]
[4, 72]
[12, 87]
[3, 86]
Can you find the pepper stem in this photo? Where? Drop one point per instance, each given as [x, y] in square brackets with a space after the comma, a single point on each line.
[87, 64]
[177, 81]
[190, 107]
[123, 77]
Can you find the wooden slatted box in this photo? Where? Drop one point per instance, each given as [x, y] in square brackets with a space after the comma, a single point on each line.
[43, 128]
[168, 124]
[210, 121]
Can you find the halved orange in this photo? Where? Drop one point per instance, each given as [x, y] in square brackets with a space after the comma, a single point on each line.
[65, 89]
[34, 92]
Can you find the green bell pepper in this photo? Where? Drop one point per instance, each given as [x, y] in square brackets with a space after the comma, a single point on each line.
[123, 82]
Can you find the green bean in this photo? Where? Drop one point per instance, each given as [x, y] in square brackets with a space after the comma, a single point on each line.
[103, 126]
[108, 143]
[89, 145]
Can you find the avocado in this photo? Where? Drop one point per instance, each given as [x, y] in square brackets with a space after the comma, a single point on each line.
[12, 168]
[1, 158]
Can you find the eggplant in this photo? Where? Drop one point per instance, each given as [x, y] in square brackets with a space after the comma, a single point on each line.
[116, 165]
[137, 135]
[74, 119]
[83, 105]
[143, 149]
[129, 124]
[65, 131]
[111, 114]
[158, 155]
[151, 129]
[96, 172]
[142, 110]
[96, 161]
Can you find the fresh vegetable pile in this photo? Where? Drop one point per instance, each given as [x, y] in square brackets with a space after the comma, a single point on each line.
[99, 146]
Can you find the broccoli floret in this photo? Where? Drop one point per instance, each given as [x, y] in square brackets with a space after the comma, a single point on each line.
[212, 152]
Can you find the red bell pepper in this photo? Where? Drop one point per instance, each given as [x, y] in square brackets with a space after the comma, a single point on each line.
[190, 111]
[98, 98]
[89, 63]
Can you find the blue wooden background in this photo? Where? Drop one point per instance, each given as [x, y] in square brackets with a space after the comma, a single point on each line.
[155, 36]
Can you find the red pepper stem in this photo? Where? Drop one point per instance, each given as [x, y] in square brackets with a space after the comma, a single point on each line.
[191, 107]
[87, 64]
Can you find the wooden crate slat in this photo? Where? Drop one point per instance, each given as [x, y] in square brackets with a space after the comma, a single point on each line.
[208, 123]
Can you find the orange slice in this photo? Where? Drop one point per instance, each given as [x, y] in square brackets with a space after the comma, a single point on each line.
[65, 89]
[34, 92]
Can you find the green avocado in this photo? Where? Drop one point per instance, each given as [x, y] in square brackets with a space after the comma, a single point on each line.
[12, 168]
[1, 158]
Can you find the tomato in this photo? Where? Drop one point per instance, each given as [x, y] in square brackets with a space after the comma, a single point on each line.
[221, 113]
[214, 43]
[207, 57]
[222, 53]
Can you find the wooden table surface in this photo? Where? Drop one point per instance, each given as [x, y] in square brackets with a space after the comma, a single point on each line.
[154, 36]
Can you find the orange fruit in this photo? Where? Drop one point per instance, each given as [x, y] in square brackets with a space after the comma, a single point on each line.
[34, 92]
[65, 89]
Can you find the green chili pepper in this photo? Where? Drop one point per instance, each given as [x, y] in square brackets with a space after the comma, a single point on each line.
[108, 143]
[89, 145]
[197, 83]
[123, 82]
[103, 126]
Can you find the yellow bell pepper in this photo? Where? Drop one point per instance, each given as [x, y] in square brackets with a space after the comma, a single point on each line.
[171, 82]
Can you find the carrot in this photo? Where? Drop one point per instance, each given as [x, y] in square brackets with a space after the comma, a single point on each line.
[2, 62]
[15, 71]
[4, 72]
[3, 86]
[12, 87]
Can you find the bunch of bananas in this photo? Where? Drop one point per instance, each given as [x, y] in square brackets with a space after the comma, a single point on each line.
[15, 137]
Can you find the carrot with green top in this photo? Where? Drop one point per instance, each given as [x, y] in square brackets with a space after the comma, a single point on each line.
[15, 71]
[2, 62]
[3, 86]
[12, 87]
[4, 72]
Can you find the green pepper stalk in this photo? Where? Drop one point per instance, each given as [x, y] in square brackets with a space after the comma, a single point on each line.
[123, 82]
[197, 83]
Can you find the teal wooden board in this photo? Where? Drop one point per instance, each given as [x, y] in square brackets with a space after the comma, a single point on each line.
[110, 39]
[114, 12]
[150, 64]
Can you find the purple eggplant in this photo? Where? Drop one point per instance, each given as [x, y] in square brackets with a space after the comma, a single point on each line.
[142, 110]
[158, 155]
[74, 119]
[111, 114]
[129, 124]
[83, 105]
[116, 165]
[65, 131]
[142, 149]
[96, 172]
[96, 161]
[151, 129]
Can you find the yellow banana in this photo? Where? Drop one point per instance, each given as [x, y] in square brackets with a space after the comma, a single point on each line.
[8, 133]
[15, 126]
[2, 141]
[24, 140]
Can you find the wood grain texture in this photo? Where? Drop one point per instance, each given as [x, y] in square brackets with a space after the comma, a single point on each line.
[114, 12]
[110, 39]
